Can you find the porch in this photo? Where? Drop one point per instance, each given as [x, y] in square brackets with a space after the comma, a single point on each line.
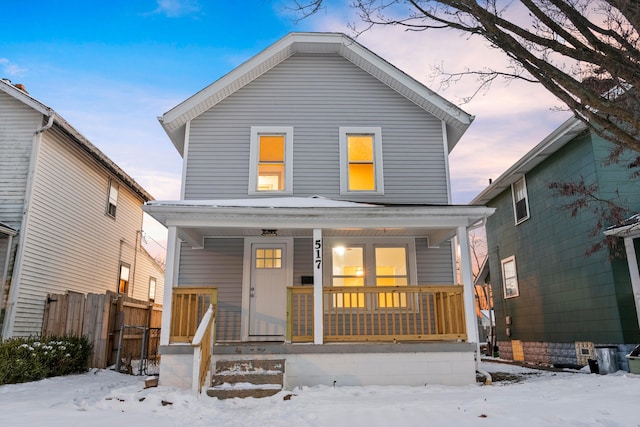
[410, 335]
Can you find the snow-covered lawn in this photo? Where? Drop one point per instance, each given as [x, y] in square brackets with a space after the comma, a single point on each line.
[537, 398]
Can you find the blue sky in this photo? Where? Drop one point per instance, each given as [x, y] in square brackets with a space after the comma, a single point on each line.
[111, 68]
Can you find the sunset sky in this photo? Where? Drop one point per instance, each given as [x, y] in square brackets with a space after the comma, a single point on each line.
[111, 68]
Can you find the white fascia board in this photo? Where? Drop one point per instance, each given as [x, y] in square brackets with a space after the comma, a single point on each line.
[326, 218]
[457, 119]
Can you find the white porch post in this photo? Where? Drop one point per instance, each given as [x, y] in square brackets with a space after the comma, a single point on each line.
[632, 260]
[169, 280]
[467, 283]
[317, 287]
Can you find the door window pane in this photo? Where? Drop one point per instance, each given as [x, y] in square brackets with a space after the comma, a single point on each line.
[268, 258]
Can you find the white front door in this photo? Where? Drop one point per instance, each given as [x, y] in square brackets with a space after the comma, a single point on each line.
[268, 291]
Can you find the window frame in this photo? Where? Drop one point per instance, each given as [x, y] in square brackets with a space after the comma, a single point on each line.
[113, 185]
[126, 287]
[514, 201]
[503, 262]
[254, 154]
[153, 283]
[369, 246]
[376, 132]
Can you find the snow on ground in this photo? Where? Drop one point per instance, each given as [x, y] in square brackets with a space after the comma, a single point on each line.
[523, 397]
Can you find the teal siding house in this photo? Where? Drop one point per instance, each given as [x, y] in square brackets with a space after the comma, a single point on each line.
[554, 304]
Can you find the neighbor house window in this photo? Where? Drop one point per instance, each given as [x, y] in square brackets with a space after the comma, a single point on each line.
[123, 285]
[112, 200]
[510, 277]
[371, 264]
[520, 200]
[271, 160]
[152, 288]
[361, 160]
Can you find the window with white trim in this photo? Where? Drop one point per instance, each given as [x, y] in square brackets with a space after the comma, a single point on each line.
[367, 263]
[123, 283]
[112, 198]
[152, 288]
[271, 160]
[509, 277]
[520, 200]
[361, 160]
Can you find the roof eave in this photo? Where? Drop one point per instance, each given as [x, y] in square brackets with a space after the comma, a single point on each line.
[457, 120]
[566, 132]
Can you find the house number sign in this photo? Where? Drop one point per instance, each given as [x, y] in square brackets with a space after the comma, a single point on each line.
[317, 251]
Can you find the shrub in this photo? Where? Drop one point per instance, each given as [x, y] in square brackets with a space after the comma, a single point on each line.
[31, 359]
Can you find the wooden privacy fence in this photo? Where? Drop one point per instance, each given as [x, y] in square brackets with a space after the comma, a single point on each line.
[385, 314]
[101, 317]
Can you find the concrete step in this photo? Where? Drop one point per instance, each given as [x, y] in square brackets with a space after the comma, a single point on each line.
[250, 365]
[243, 390]
[246, 378]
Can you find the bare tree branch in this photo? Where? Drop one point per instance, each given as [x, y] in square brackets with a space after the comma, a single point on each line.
[558, 43]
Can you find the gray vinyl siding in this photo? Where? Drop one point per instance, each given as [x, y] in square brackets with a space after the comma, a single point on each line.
[218, 264]
[70, 244]
[302, 260]
[316, 94]
[17, 126]
[434, 265]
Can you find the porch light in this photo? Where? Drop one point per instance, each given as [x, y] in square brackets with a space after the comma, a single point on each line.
[269, 232]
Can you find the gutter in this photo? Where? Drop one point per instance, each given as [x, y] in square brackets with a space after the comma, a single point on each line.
[49, 123]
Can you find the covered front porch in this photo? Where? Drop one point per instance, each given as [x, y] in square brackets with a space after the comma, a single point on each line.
[393, 298]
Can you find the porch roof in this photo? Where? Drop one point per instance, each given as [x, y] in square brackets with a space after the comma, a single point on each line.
[628, 228]
[5, 229]
[298, 216]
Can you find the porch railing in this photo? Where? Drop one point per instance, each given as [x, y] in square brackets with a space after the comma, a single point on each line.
[383, 314]
[202, 344]
[188, 307]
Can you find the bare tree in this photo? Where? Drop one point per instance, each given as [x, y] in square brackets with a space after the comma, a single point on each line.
[585, 52]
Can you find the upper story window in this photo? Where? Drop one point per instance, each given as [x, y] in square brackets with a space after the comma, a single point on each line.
[510, 277]
[361, 160]
[271, 157]
[520, 200]
[112, 201]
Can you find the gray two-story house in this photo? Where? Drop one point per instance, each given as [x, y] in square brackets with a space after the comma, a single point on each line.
[554, 303]
[316, 218]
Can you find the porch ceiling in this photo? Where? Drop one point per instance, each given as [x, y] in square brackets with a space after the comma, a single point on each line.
[196, 221]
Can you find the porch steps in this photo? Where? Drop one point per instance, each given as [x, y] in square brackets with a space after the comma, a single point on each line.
[247, 378]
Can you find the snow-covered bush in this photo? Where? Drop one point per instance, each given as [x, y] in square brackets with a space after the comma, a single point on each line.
[35, 358]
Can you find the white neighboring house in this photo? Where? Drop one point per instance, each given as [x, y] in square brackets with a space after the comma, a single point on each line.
[316, 203]
[70, 218]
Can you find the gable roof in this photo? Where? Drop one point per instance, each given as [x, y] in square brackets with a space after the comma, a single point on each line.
[57, 120]
[174, 121]
[549, 145]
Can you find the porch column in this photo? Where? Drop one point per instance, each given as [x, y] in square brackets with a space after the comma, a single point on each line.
[169, 280]
[317, 287]
[632, 260]
[467, 283]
